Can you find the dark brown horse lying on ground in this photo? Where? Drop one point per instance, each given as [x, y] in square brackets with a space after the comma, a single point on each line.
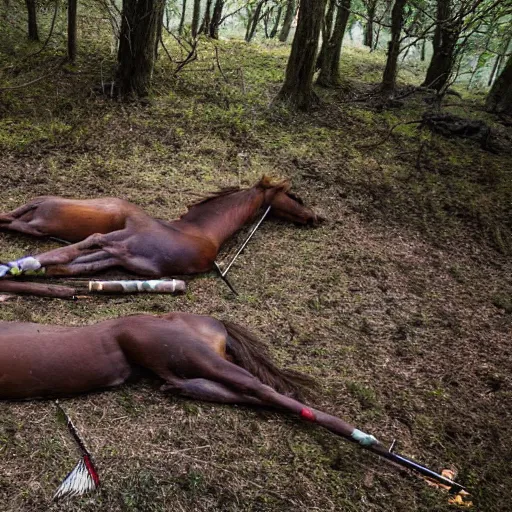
[197, 356]
[111, 232]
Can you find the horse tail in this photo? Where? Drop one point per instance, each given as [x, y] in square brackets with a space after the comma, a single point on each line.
[251, 354]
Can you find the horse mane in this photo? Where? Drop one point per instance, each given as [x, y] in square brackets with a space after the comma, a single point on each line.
[265, 183]
[224, 191]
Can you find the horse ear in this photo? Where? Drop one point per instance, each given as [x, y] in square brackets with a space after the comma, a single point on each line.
[265, 182]
[285, 185]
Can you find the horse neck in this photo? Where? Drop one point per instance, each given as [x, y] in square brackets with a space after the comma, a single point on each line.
[219, 218]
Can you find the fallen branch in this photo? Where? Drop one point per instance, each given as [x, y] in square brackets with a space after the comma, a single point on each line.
[218, 64]
[14, 87]
[192, 44]
[191, 57]
[52, 26]
[38, 289]
[450, 125]
[165, 49]
[420, 154]
[388, 135]
[224, 18]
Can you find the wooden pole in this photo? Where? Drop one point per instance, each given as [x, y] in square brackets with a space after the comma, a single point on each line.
[41, 290]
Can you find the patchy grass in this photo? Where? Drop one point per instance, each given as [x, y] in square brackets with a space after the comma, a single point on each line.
[399, 305]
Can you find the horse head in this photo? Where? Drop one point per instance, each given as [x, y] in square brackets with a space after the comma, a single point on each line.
[286, 205]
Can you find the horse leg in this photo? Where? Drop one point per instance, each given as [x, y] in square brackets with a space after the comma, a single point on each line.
[64, 256]
[90, 255]
[188, 353]
[81, 259]
[20, 226]
[140, 265]
[226, 382]
[20, 219]
[241, 381]
[208, 391]
[116, 245]
[84, 265]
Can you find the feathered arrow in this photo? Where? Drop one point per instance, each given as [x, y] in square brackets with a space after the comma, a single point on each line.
[84, 477]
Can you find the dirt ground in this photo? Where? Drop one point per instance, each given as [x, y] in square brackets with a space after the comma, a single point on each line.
[400, 304]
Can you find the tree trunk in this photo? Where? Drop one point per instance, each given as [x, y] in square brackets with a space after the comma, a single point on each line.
[446, 34]
[136, 56]
[250, 13]
[253, 21]
[72, 7]
[368, 34]
[499, 98]
[275, 28]
[330, 70]
[423, 55]
[288, 20]
[216, 19]
[397, 20]
[297, 89]
[195, 18]
[182, 18]
[205, 25]
[368, 29]
[326, 31]
[376, 39]
[499, 58]
[494, 70]
[158, 37]
[32, 20]
[266, 21]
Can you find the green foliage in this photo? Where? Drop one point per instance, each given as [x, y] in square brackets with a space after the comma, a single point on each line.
[503, 301]
[18, 134]
[192, 483]
[364, 394]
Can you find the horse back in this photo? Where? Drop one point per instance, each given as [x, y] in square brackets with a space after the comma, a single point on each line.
[175, 343]
[76, 219]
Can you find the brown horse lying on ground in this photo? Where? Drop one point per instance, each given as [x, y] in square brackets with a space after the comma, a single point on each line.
[196, 356]
[111, 232]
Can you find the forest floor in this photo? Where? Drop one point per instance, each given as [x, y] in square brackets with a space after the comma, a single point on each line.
[400, 304]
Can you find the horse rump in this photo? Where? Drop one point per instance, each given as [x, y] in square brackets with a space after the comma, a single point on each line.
[251, 354]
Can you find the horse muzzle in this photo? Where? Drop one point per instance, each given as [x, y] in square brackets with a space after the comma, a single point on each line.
[316, 220]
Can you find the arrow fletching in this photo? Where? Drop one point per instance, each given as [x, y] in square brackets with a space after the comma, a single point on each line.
[84, 477]
[81, 480]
